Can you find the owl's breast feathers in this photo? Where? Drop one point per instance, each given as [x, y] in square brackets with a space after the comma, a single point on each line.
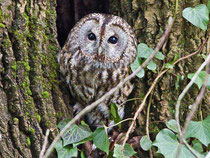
[95, 58]
[89, 81]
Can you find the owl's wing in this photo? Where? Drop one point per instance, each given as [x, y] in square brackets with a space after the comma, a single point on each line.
[64, 57]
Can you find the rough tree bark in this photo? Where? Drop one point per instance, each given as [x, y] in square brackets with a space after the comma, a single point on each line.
[32, 96]
[149, 19]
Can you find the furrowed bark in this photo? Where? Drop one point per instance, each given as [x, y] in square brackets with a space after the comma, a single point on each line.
[31, 97]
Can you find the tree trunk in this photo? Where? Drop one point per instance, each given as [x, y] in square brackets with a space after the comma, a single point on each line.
[32, 96]
[149, 19]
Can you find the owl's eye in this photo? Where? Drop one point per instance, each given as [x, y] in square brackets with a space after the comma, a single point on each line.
[113, 40]
[91, 36]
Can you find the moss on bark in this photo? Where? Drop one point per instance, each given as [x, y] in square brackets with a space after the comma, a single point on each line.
[31, 91]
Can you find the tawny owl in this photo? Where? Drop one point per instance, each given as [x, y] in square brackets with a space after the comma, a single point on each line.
[94, 59]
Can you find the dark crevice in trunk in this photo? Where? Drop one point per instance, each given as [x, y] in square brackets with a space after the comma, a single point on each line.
[70, 11]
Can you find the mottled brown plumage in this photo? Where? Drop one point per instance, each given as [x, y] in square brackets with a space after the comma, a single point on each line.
[95, 58]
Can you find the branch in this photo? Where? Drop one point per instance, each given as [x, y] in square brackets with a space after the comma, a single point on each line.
[142, 106]
[45, 144]
[128, 119]
[94, 104]
[182, 140]
[151, 88]
[194, 53]
[147, 122]
[195, 105]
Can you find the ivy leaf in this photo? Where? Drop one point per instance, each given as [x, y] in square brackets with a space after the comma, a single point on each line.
[75, 134]
[208, 82]
[152, 66]
[200, 130]
[65, 151]
[126, 152]
[82, 154]
[143, 51]
[208, 5]
[198, 16]
[203, 55]
[197, 145]
[171, 124]
[160, 56]
[100, 139]
[114, 114]
[135, 65]
[167, 144]
[63, 123]
[145, 143]
[169, 66]
[199, 80]
[82, 141]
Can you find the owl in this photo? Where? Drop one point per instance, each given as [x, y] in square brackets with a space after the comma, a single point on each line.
[95, 58]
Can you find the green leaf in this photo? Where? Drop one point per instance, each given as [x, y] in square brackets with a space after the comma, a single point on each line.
[197, 146]
[82, 154]
[208, 5]
[169, 66]
[200, 130]
[75, 134]
[65, 152]
[111, 153]
[178, 77]
[82, 141]
[152, 66]
[144, 51]
[204, 56]
[2, 25]
[199, 80]
[63, 123]
[167, 144]
[135, 65]
[100, 139]
[114, 114]
[198, 16]
[126, 152]
[208, 82]
[171, 124]
[159, 56]
[145, 143]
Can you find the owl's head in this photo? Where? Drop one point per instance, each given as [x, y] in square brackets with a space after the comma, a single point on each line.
[104, 38]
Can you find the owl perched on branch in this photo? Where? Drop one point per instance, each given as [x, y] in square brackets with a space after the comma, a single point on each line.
[95, 58]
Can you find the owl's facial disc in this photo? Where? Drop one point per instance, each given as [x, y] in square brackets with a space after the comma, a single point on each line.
[115, 42]
[88, 37]
[101, 41]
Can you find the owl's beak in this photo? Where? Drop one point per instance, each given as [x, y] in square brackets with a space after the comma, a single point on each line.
[100, 51]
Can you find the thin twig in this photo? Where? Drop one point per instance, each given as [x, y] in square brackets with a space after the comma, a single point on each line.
[94, 104]
[182, 139]
[195, 105]
[152, 86]
[128, 119]
[141, 106]
[196, 52]
[132, 99]
[147, 123]
[147, 120]
[45, 144]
